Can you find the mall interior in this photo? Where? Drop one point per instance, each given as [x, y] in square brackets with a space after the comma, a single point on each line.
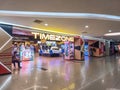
[60, 45]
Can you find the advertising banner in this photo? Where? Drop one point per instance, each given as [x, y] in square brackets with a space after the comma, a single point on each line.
[5, 48]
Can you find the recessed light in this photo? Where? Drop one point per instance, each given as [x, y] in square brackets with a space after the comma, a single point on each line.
[86, 26]
[110, 30]
[46, 24]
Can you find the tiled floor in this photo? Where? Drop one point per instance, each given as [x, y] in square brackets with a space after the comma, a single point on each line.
[56, 74]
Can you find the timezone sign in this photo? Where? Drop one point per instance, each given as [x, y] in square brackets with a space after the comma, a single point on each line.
[52, 37]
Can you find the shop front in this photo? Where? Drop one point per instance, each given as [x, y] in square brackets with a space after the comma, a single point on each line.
[24, 44]
[28, 43]
[94, 46]
[53, 44]
[44, 43]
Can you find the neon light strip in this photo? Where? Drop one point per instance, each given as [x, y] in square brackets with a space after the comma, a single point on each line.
[112, 34]
[5, 83]
[33, 28]
[60, 15]
[93, 38]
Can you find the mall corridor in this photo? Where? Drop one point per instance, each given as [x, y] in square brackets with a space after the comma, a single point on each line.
[60, 45]
[55, 74]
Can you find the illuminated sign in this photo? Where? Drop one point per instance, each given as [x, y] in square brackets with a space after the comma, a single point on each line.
[52, 37]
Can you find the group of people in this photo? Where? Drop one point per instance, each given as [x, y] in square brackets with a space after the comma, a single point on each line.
[16, 55]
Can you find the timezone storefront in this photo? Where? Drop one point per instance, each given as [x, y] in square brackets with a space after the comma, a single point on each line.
[30, 43]
[40, 43]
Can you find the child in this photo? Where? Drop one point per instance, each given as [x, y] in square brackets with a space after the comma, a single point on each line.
[16, 59]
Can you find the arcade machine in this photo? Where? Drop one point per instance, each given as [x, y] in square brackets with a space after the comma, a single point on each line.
[86, 48]
[26, 53]
[69, 50]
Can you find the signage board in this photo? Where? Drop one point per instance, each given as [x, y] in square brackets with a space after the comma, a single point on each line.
[52, 37]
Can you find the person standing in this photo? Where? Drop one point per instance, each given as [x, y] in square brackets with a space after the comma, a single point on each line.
[16, 59]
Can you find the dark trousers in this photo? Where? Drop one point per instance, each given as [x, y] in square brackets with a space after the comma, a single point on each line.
[16, 61]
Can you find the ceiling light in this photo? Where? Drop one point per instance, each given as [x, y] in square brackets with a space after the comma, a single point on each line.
[112, 34]
[60, 15]
[110, 30]
[86, 26]
[103, 81]
[46, 24]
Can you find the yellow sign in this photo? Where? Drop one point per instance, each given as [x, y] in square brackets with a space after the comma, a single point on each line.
[52, 37]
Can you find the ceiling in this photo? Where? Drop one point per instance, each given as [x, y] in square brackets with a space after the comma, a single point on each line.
[68, 25]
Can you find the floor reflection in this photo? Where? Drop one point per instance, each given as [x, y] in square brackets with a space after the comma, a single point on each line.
[5, 83]
[58, 75]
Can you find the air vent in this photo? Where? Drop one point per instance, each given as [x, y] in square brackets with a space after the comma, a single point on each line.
[84, 32]
[38, 21]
